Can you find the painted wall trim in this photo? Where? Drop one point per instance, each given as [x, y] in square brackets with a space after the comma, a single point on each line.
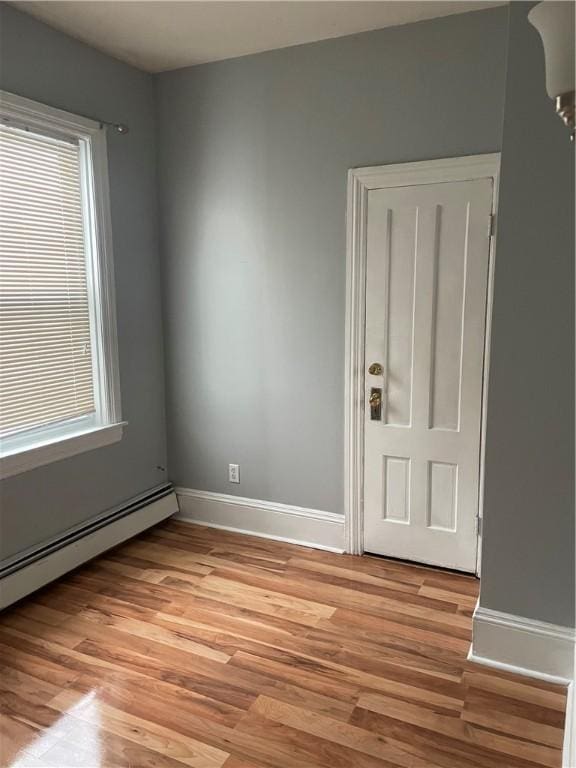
[22, 581]
[45, 445]
[60, 448]
[523, 646]
[360, 182]
[266, 519]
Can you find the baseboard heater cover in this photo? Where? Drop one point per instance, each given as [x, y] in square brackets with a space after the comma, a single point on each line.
[38, 566]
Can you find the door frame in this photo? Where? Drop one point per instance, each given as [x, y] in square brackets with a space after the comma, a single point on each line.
[360, 182]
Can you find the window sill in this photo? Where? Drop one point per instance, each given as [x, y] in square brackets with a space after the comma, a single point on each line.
[33, 456]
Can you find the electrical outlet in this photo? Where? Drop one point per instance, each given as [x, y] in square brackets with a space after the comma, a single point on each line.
[233, 473]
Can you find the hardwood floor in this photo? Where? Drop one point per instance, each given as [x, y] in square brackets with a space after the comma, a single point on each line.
[201, 648]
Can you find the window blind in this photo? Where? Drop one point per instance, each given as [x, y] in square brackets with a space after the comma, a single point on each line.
[45, 352]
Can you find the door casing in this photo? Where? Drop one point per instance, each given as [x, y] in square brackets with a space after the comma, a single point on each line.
[360, 182]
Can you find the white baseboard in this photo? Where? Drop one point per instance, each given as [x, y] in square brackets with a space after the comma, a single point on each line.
[523, 646]
[267, 519]
[42, 571]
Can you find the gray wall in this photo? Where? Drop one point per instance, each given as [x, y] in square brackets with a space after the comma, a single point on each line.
[253, 159]
[42, 64]
[528, 555]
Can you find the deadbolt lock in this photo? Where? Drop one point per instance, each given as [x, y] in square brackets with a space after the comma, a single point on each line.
[376, 369]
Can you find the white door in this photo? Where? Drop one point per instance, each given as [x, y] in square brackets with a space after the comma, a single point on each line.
[427, 274]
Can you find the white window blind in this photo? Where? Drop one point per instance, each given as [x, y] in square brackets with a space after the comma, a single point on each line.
[46, 368]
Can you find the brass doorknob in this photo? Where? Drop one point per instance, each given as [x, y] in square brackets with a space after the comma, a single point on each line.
[376, 369]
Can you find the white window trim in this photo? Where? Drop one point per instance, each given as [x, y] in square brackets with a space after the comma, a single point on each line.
[59, 441]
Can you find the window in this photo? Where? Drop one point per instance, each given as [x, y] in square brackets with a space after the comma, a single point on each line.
[59, 392]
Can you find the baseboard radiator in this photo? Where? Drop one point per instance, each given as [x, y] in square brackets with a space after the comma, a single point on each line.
[38, 566]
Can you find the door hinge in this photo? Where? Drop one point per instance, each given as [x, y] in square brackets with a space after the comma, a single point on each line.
[491, 225]
[479, 526]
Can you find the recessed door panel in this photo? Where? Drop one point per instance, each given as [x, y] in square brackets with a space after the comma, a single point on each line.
[396, 489]
[447, 314]
[401, 256]
[442, 495]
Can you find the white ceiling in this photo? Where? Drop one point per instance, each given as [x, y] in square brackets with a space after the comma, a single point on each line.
[157, 36]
